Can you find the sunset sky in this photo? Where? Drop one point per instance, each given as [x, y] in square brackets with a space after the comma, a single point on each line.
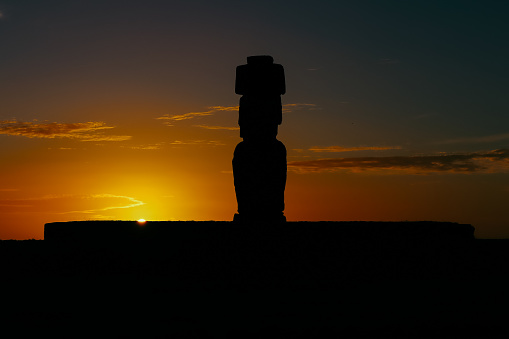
[395, 110]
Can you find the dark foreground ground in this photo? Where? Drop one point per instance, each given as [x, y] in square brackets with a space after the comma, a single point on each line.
[220, 279]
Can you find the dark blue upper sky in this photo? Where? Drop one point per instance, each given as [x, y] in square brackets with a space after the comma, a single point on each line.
[374, 62]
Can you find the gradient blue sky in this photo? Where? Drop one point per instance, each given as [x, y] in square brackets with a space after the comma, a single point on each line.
[395, 110]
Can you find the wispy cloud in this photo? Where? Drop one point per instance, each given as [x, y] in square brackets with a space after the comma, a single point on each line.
[299, 107]
[174, 143]
[146, 147]
[129, 202]
[105, 138]
[197, 142]
[496, 161]
[339, 149]
[185, 116]
[83, 131]
[170, 118]
[477, 140]
[191, 115]
[69, 204]
[218, 127]
[224, 108]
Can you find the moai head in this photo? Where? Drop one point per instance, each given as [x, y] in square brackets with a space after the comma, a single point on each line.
[260, 77]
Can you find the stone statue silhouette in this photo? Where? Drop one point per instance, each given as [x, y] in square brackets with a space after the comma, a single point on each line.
[259, 161]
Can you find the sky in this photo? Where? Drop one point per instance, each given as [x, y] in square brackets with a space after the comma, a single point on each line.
[121, 110]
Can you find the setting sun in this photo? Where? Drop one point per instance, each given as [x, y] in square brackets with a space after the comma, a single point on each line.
[141, 221]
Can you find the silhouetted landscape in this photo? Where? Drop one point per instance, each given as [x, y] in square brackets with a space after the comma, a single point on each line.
[294, 279]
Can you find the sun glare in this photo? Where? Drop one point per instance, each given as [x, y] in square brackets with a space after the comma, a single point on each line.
[141, 221]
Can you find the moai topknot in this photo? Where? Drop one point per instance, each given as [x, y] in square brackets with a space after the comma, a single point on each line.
[259, 162]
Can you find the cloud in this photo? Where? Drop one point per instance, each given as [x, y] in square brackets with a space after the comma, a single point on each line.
[476, 140]
[105, 138]
[496, 161]
[338, 149]
[197, 142]
[69, 204]
[192, 115]
[218, 127]
[214, 109]
[224, 108]
[83, 131]
[146, 147]
[160, 145]
[129, 202]
[185, 116]
[299, 107]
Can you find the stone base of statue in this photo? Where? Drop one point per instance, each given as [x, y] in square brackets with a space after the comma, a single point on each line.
[259, 171]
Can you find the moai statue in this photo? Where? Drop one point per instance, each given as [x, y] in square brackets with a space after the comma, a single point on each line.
[259, 162]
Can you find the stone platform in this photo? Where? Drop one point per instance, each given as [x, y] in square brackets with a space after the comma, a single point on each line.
[280, 253]
[118, 231]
